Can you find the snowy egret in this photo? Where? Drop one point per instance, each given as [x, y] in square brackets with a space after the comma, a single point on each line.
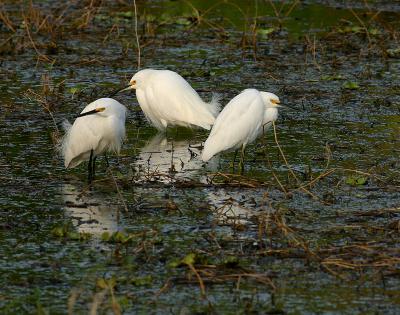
[167, 99]
[100, 127]
[242, 120]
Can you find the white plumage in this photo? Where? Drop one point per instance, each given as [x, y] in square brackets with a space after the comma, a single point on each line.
[99, 131]
[167, 99]
[241, 121]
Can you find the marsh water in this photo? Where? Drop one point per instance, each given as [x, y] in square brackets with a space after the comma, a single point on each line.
[311, 228]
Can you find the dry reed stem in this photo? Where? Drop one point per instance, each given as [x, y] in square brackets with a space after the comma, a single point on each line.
[43, 102]
[165, 287]
[72, 300]
[6, 20]
[201, 283]
[97, 301]
[290, 169]
[259, 277]
[236, 179]
[363, 25]
[295, 3]
[137, 36]
[39, 54]
[114, 303]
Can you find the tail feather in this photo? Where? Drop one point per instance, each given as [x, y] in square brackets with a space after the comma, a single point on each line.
[214, 106]
[66, 125]
[62, 147]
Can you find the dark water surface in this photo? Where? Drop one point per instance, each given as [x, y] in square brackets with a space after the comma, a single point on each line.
[332, 248]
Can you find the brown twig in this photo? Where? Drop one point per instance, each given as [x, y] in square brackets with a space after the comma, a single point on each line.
[39, 54]
[201, 283]
[137, 36]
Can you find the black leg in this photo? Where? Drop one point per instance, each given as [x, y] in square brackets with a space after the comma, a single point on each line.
[241, 164]
[234, 161]
[94, 166]
[90, 168]
[106, 158]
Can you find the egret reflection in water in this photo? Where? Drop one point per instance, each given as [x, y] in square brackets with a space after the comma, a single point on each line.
[89, 212]
[162, 155]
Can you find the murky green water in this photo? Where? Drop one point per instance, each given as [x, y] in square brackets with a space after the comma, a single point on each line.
[256, 249]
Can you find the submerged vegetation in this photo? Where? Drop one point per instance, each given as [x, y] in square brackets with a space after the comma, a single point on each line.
[312, 225]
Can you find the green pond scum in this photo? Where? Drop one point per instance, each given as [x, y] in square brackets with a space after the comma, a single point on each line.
[312, 226]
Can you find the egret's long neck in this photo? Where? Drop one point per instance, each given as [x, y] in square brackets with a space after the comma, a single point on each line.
[270, 115]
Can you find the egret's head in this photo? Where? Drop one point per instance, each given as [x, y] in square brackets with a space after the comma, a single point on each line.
[132, 83]
[138, 80]
[104, 107]
[270, 100]
[98, 110]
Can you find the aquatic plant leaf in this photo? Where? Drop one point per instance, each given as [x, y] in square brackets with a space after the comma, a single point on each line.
[150, 18]
[351, 85]
[73, 90]
[141, 281]
[266, 31]
[102, 17]
[374, 31]
[356, 180]
[120, 237]
[74, 236]
[182, 21]
[58, 231]
[189, 259]
[126, 14]
[101, 283]
[174, 263]
[105, 237]
[350, 29]
[333, 77]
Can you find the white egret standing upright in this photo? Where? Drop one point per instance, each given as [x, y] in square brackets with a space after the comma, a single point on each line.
[242, 120]
[167, 99]
[100, 127]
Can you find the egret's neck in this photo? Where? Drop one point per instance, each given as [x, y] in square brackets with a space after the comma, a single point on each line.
[270, 115]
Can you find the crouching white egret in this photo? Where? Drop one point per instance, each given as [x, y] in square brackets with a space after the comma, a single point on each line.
[167, 99]
[99, 128]
[242, 120]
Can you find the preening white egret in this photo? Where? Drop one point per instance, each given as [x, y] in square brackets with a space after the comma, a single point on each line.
[167, 99]
[99, 128]
[242, 120]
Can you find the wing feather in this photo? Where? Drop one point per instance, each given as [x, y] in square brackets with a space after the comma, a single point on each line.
[238, 124]
[171, 99]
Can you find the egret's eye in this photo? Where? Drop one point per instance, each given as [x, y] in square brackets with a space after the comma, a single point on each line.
[134, 82]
